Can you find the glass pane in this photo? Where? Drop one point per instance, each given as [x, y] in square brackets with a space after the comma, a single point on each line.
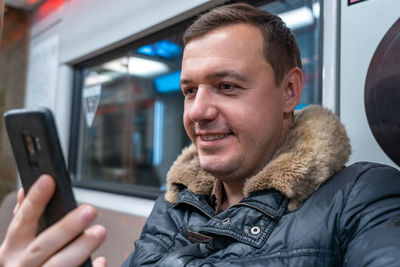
[302, 17]
[131, 127]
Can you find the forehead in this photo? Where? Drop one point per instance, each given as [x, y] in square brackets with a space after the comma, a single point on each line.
[236, 40]
[234, 48]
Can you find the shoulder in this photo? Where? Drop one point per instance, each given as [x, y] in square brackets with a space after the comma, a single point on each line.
[371, 187]
[367, 178]
[364, 169]
[365, 174]
[371, 211]
[369, 196]
[359, 188]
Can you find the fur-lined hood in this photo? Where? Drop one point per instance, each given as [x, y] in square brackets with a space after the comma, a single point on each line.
[316, 147]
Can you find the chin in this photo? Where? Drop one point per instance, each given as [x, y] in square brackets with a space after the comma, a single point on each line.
[217, 168]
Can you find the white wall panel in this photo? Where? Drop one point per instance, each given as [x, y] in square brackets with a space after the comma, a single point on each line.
[363, 25]
[90, 25]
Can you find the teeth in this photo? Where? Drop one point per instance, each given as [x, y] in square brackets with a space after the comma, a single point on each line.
[212, 137]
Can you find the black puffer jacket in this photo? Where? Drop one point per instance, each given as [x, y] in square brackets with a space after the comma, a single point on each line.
[352, 219]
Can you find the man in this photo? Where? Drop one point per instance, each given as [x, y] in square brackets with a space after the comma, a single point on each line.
[260, 185]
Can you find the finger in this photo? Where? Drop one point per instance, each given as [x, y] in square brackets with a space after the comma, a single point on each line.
[100, 262]
[58, 235]
[80, 249]
[16, 209]
[25, 222]
[20, 198]
[20, 195]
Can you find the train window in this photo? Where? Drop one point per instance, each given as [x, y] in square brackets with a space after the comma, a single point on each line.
[130, 126]
[303, 18]
[126, 128]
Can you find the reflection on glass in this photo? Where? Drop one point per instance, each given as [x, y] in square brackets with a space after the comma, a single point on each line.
[302, 17]
[134, 106]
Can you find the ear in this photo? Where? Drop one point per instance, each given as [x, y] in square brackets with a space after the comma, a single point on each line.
[292, 87]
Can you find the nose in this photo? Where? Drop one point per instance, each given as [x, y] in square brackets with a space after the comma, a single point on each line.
[203, 106]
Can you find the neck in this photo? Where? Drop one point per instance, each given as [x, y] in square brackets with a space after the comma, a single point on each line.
[233, 193]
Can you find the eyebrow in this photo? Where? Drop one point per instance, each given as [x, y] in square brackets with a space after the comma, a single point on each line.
[228, 73]
[220, 74]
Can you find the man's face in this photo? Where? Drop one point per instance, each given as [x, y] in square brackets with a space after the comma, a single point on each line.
[233, 109]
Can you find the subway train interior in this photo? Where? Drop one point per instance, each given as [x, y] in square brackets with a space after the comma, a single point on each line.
[110, 71]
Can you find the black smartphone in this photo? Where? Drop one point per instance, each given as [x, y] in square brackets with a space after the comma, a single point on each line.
[36, 148]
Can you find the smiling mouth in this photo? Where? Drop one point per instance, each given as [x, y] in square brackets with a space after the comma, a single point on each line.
[212, 137]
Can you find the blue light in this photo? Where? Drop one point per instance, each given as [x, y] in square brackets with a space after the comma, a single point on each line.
[147, 50]
[164, 49]
[167, 49]
[168, 83]
[158, 132]
[300, 106]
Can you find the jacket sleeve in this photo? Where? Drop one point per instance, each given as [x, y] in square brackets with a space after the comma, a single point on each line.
[370, 221]
[159, 240]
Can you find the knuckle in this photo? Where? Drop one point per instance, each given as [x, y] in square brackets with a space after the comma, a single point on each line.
[15, 225]
[19, 221]
[32, 255]
[33, 200]
[35, 249]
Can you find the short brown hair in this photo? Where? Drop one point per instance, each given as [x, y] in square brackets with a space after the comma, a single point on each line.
[280, 46]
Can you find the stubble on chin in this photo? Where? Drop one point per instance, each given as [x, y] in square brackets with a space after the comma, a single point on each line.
[217, 167]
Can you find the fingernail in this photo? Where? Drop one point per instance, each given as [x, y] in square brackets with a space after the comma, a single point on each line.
[99, 231]
[86, 213]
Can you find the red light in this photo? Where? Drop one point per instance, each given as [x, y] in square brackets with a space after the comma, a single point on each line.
[48, 7]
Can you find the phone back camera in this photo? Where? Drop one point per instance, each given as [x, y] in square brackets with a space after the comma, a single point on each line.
[32, 146]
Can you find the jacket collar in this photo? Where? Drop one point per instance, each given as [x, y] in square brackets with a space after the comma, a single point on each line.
[315, 148]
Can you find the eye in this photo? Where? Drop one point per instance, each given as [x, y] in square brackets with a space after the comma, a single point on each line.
[227, 87]
[189, 91]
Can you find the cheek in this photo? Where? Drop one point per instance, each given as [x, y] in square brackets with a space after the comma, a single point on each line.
[255, 121]
[245, 114]
[187, 124]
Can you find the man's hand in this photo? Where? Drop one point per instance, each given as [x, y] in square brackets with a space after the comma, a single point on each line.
[21, 246]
